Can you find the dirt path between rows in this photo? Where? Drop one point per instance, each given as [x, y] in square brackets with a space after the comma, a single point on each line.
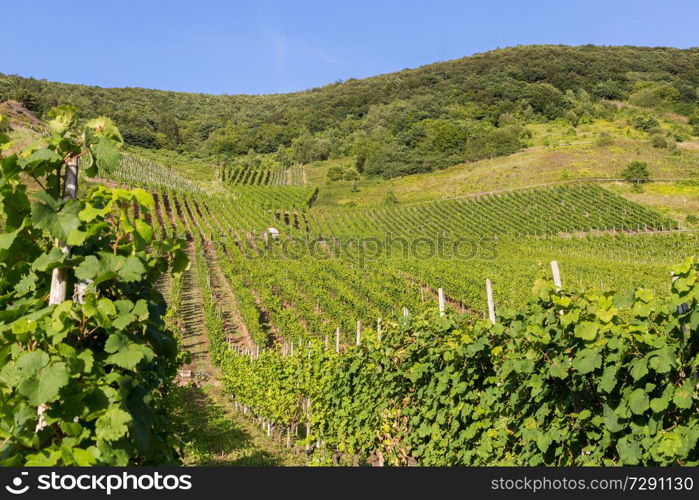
[211, 432]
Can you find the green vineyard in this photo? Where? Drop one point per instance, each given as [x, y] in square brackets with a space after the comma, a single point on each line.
[486, 262]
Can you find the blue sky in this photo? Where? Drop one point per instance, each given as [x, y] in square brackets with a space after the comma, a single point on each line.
[280, 46]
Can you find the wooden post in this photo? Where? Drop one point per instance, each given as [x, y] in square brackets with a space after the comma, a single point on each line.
[292, 348]
[440, 293]
[337, 339]
[257, 354]
[59, 276]
[359, 332]
[378, 329]
[556, 274]
[308, 423]
[491, 304]
[405, 312]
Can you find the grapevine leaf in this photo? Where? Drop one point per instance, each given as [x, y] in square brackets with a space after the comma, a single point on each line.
[611, 420]
[630, 452]
[106, 154]
[83, 458]
[43, 458]
[42, 386]
[659, 405]
[639, 368]
[670, 444]
[143, 197]
[129, 356]
[144, 234]
[683, 395]
[7, 239]
[645, 295]
[57, 223]
[115, 342]
[132, 269]
[587, 360]
[608, 380]
[638, 401]
[89, 268]
[586, 330]
[49, 260]
[662, 362]
[113, 424]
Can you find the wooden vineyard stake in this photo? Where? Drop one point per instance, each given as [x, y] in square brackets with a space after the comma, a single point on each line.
[359, 332]
[59, 276]
[556, 274]
[440, 293]
[337, 339]
[378, 329]
[292, 349]
[307, 404]
[491, 304]
[405, 312]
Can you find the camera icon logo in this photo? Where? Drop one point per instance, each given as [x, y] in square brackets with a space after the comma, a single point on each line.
[16, 487]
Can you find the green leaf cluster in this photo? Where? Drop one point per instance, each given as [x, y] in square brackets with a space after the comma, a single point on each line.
[83, 382]
[570, 379]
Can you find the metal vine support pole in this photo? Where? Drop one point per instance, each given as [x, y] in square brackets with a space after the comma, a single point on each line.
[491, 304]
[59, 277]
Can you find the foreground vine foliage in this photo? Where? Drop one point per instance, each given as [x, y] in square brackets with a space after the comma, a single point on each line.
[82, 382]
[570, 379]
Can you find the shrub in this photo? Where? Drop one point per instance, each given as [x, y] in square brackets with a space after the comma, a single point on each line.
[644, 122]
[658, 141]
[335, 173]
[604, 139]
[636, 171]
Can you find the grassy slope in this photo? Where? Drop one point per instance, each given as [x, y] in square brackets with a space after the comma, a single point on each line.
[554, 154]
[677, 200]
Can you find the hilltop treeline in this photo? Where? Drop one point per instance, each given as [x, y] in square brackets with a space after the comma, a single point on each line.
[404, 122]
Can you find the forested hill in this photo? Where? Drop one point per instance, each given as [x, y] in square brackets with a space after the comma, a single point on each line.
[398, 123]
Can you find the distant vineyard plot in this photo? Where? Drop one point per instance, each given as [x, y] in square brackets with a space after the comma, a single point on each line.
[564, 209]
[261, 176]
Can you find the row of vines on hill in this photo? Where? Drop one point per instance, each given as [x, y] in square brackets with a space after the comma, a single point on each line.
[570, 379]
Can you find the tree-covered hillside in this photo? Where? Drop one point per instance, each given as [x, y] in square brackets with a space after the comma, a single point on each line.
[405, 122]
